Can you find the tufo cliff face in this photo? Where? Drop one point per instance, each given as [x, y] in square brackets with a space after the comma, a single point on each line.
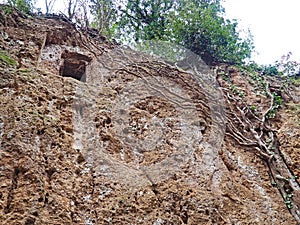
[95, 133]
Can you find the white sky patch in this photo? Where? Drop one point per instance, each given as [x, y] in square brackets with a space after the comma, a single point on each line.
[59, 5]
[273, 23]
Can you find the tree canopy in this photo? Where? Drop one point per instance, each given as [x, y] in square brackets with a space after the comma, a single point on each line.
[197, 25]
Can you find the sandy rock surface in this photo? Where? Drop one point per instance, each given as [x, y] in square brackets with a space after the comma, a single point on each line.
[93, 133]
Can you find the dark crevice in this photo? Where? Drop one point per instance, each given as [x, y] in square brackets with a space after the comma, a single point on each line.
[30, 221]
[50, 172]
[185, 217]
[46, 199]
[74, 65]
[14, 185]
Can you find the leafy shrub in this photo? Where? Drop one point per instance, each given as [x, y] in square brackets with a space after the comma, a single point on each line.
[288, 67]
[25, 6]
[197, 25]
[205, 31]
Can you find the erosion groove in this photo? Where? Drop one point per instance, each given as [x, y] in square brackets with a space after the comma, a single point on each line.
[10, 195]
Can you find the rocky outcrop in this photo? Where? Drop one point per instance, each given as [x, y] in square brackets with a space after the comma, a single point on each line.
[132, 140]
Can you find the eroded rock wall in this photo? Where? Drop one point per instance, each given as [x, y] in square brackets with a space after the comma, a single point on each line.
[139, 142]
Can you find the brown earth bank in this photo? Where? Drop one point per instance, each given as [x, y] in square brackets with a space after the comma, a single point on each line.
[95, 133]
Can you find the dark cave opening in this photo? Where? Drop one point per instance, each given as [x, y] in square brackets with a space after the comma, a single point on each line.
[74, 65]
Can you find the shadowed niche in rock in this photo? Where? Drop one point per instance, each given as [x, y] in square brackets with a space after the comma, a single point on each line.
[74, 65]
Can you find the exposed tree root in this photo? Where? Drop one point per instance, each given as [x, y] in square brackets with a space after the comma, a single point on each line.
[254, 132]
